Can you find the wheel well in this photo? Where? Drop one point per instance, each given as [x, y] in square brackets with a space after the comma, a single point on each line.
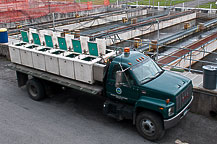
[142, 109]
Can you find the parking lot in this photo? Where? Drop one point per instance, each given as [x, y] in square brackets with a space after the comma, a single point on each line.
[76, 118]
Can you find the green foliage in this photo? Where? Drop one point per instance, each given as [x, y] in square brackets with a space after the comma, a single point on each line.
[114, 1]
[162, 2]
[207, 5]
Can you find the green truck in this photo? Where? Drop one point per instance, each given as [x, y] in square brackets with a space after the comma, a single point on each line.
[134, 87]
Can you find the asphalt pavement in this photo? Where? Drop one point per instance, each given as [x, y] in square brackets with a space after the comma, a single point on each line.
[71, 117]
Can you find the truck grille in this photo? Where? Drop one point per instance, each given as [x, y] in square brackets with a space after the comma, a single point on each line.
[183, 98]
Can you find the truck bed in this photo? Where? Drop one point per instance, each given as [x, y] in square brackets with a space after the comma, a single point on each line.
[94, 89]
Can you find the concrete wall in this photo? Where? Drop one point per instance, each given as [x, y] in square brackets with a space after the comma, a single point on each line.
[204, 101]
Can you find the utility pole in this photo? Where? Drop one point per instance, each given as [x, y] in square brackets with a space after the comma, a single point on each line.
[53, 21]
[49, 5]
[183, 6]
[210, 8]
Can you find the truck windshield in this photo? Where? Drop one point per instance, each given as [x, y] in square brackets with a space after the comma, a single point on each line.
[146, 71]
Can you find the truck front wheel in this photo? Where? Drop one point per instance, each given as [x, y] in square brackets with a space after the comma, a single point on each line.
[35, 89]
[150, 126]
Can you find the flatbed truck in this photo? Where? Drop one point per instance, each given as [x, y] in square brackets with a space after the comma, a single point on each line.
[134, 87]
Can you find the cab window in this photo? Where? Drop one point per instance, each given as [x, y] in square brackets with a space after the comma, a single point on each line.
[127, 78]
[114, 70]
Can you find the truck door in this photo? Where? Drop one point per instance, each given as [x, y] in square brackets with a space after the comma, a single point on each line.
[128, 91]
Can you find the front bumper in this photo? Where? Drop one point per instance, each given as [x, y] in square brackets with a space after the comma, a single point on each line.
[174, 120]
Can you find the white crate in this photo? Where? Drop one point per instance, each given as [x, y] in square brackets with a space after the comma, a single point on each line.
[15, 54]
[66, 68]
[38, 61]
[38, 58]
[66, 64]
[98, 71]
[26, 54]
[51, 64]
[14, 51]
[52, 61]
[26, 57]
[84, 70]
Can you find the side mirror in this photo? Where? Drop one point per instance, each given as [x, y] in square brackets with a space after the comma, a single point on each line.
[119, 80]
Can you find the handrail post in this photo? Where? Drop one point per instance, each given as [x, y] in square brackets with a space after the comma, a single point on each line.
[189, 68]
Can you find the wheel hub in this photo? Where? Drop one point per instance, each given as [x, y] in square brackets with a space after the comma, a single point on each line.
[148, 127]
[33, 91]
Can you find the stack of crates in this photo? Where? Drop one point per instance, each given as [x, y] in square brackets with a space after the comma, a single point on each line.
[67, 56]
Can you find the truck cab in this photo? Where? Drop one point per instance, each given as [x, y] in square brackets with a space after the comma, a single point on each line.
[137, 88]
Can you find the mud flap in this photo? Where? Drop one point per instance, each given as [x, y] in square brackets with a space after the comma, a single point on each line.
[21, 78]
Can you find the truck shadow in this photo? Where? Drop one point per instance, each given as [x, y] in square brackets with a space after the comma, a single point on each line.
[90, 108]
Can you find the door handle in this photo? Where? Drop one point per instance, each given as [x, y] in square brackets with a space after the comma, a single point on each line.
[110, 83]
[136, 89]
[124, 85]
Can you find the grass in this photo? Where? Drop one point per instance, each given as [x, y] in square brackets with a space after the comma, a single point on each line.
[140, 2]
[161, 2]
[207, 5]
[114, 1]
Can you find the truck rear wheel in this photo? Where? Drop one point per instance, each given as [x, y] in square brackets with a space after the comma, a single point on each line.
[35, 89]
[150, 126]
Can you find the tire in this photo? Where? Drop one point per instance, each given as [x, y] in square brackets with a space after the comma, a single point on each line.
[150, 126]
[35, 89]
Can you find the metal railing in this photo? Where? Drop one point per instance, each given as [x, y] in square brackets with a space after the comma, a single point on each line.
[188, 57]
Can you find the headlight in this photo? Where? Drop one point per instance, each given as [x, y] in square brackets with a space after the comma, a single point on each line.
[170, 111]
